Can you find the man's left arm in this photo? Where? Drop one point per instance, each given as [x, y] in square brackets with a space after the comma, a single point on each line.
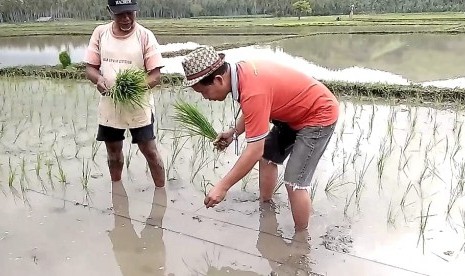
[153, 77]
[251, 155]
[153, 60]
[256, 125]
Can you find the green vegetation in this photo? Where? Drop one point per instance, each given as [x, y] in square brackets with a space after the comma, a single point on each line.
[190, 117]
[130, 88]
[418, 93]
[263, 26]
[302, 7]
[65, 59]
[30, 10]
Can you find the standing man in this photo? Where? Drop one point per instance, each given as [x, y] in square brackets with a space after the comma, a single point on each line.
[116, 46]
[304, 113]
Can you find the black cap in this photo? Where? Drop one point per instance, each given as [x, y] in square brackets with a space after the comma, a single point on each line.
[120, 6]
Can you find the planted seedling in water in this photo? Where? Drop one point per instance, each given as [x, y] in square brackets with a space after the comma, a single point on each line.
[129, 156]
[95, 148]
[360, 182]
[381, 161]
[85, 176]
[332, 184]
[61, 173]
[11, 179]
[391, 216]
[204, 184]
[423, 222]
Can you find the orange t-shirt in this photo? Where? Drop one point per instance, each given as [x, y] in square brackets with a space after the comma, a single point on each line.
[271, 91]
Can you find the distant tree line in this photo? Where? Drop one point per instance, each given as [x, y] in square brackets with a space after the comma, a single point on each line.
[28, 10]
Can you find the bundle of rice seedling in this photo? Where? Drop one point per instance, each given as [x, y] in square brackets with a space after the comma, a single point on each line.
[193, 120]
[130, 87]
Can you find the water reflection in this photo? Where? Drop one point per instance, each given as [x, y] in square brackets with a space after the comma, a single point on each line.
[138, 256]
[418, 57]
[393, 58]
[285, 258]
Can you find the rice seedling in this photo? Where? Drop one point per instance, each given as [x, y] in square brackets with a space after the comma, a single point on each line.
[345, 162]
[347, 203]
[357, 144]
[381, 161]
[193, 120]
[204, 184]
[372, 119]
[391, 216]
[23, 177]
[332, 183]
[456, 191]
[390, 131]
[11, 179]
[245, 181]
[435, 125]
[456, 121]
[202, 164]
[130, 88]
[11, 174]
[129, 156]
[77, 147]
[176, 148]
[423, 223]
[342, 130]
[360, 182]
[336, 148]
[313, 188]
[2, 130]
[61, 173]
[95, 147]
[85, 176]
[404, 197]
[49, 164]
[18, 133]
[457, 147]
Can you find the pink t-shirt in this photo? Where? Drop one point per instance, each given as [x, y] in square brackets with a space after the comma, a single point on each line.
[138, 49]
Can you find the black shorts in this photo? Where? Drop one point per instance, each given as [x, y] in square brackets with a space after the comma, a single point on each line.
[140, 134]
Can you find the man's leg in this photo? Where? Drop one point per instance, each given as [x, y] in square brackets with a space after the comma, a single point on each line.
[157, 169]
[278, 146]
[268, 174]
[301, 205]
[144, 137]
[115, 159]
[310, 145]
[113, 139]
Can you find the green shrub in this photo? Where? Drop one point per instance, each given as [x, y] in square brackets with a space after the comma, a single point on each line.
[65, 59]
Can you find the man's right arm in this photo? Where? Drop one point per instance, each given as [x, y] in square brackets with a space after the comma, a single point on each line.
[93, 74]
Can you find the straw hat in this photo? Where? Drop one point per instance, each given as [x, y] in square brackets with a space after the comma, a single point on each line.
[200, 63]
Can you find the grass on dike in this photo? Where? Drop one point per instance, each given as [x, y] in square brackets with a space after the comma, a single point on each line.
[227, 25]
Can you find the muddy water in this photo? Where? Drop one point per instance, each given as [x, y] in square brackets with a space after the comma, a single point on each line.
[51, 225]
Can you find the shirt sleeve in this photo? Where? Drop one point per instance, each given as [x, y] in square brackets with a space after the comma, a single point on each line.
[152, 54]
[256, 110]
[92, 55]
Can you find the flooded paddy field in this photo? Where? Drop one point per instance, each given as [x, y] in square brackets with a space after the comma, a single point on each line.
[388, 194]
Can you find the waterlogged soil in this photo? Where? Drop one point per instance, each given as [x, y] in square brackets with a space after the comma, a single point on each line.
[388, 195]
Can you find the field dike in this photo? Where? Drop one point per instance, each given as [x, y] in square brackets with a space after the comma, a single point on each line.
[363, 91]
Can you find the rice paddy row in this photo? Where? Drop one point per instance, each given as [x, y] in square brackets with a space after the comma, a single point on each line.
[362, 91]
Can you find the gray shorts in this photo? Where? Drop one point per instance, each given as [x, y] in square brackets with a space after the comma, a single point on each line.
[305, 146]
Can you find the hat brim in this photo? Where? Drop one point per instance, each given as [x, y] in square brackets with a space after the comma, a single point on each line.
[124, 8]
[189, 83]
